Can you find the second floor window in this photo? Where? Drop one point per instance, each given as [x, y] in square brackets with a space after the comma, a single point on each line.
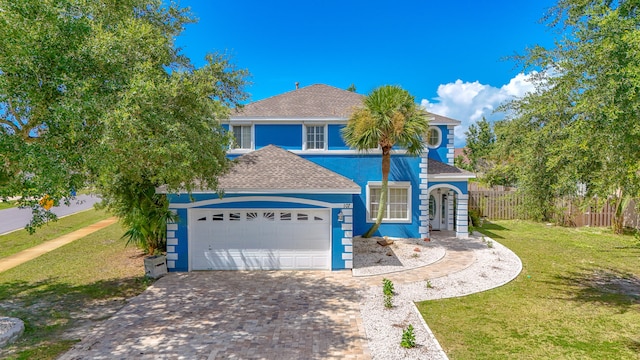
[434, 137]
[242, 135]
[315, 137]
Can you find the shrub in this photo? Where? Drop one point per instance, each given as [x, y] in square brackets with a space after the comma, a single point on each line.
[408, 338]
[388, 301]
[387, 287]
[475, 218]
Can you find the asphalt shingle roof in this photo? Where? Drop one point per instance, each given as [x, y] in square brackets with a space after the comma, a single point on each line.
[272, 168]
[439, 168]
[314, 101]
[439, 119]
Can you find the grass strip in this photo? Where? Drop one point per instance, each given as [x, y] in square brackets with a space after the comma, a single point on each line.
[577, 297]
[17, 241]
[7, 204]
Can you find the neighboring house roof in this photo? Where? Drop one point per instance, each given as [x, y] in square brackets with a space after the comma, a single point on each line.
[314, 101]
[273, 169]
[440, 169]
[460, 152]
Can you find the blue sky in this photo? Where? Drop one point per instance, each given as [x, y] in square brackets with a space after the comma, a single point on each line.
[449, 54]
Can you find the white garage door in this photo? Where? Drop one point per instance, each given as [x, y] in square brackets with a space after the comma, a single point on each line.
[259, 239]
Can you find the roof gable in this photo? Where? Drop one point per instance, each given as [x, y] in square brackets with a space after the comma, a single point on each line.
[273, 169]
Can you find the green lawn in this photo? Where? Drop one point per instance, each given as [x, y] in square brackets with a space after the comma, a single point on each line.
[19, 240]
[58, 291]
[578, 297]
[7, 205]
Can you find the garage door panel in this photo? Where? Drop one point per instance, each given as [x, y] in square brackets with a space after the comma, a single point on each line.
[259, 239]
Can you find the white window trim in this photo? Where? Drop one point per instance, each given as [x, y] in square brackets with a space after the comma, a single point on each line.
[304, 136]
[251, 146]
[439, 137]
[371, 218]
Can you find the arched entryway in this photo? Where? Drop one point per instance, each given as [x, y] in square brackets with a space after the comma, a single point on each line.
[448, 209]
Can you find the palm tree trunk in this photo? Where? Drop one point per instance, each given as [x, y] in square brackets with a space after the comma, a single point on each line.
[386, 166]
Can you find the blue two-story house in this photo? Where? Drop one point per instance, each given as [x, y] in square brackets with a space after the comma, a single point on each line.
[297, 194]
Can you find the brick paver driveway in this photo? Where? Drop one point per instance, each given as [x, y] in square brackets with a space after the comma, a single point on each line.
[235, 315]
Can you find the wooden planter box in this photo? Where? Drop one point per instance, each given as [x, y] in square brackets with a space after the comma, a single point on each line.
[155, 266]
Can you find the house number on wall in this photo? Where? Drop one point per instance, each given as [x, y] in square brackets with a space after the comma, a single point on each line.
[346, 206]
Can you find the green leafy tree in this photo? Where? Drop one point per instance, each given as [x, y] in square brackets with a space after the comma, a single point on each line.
[96, 94]
[389, 117]
[480, 143]
[580, 125]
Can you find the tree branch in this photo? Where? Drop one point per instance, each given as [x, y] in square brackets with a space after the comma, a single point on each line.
[13, 126]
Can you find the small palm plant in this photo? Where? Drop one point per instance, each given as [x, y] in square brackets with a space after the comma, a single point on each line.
[145, 214]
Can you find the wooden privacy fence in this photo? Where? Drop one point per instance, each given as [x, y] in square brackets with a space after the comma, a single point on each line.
[509, 205]
[497, 205]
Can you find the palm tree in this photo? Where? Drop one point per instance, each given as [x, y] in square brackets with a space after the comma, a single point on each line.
[389, 117]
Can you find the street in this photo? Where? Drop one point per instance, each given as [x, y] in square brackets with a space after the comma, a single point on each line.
[15, 218]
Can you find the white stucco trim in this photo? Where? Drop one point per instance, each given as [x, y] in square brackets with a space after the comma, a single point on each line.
[374, 152]
[450, 177]
[268, 191]
[446, 186]
[284, 120]
[295, 200]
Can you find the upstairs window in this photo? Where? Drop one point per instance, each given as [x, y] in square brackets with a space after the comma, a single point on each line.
[242, 136]
[434, 137]
[315, 137]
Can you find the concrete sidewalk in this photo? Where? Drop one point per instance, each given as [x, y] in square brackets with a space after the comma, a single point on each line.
[32, 253]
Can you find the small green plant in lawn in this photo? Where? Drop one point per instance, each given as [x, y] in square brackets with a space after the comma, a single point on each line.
[388, 301]
[429, 285]
[489, 244]
[387, 287]
[408, 338]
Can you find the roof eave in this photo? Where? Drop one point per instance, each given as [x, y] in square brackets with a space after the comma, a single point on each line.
[348, 191]
[285, 118]
[450, 177]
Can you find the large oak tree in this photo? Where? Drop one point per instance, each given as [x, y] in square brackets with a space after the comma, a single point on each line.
[95, 93]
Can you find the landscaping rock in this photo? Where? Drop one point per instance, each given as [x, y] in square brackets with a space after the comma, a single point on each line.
[10, 330]
[385, 242]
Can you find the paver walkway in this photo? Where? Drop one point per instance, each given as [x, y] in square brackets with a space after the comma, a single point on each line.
[457, 258]
[32, 253]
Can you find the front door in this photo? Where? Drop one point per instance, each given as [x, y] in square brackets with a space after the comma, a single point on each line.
[438, 208]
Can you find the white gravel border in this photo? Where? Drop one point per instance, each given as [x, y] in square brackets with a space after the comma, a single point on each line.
[493, 267]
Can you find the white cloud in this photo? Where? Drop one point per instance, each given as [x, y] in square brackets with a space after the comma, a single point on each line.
[470, 101]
